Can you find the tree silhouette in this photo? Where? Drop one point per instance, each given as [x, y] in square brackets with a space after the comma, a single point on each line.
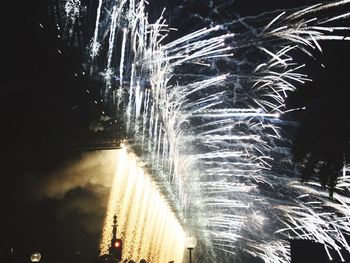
[321, 144]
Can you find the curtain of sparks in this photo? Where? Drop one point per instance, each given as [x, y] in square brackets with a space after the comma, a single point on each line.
[205, 118]
[147, 226]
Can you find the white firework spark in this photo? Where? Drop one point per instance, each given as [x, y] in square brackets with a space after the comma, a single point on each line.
[210, 133]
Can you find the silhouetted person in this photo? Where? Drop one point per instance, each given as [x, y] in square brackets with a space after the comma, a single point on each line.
[142, 261]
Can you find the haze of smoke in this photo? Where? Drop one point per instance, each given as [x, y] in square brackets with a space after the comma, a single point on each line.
[79, 190]
[92, 169]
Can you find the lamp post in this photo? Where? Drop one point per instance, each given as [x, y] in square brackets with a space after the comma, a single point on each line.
[191, 243]
[35, 257]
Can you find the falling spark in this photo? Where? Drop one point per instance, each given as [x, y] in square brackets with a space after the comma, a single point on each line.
[210, 138]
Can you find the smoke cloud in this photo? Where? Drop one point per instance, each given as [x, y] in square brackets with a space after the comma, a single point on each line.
[93, 171]
[80, 188]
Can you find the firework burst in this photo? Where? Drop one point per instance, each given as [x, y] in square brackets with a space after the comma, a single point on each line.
[206, 118]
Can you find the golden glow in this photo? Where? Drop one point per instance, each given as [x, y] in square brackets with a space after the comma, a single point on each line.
[147, 226]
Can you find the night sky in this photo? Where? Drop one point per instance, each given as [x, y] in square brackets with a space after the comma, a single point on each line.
[46, 112]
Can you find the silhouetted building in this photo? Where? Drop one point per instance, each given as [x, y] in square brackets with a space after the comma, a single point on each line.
[303, 251]
[307, 251]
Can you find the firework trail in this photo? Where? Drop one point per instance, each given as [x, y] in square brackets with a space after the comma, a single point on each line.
[203, 111]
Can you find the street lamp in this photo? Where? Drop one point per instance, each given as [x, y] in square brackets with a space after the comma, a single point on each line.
[191, 243]
[35, 257]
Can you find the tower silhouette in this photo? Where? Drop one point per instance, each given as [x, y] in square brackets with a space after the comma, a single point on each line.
[116, 246]
[115, 249]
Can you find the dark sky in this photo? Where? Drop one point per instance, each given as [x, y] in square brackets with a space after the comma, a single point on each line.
[45, 109]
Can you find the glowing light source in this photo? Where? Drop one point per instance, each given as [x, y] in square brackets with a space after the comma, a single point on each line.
[191, 242]
[117, 244]
[35, 257]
